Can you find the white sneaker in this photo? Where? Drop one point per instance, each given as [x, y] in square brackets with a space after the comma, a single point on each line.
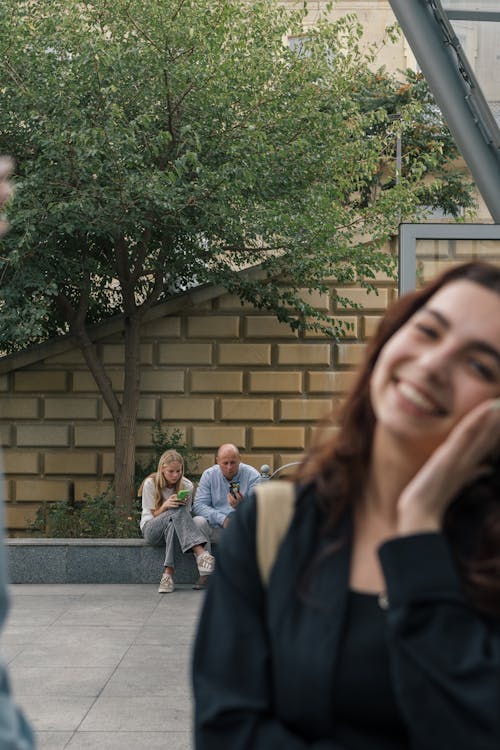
[166, 584]
[205, 563]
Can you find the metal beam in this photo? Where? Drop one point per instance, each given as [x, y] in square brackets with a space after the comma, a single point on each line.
[439, 65]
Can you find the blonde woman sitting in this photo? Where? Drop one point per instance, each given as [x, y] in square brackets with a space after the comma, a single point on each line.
[167, 497]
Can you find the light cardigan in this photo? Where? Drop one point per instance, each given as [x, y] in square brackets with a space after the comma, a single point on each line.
[148, 497]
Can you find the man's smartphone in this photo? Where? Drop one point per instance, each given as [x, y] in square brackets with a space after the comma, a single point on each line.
[234, 487]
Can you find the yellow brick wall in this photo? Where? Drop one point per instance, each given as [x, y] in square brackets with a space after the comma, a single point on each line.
[219, 372]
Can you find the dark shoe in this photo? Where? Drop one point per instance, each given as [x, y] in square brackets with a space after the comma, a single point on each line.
[201, 583]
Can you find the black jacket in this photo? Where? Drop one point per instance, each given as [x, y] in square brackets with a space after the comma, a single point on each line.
[264, 661]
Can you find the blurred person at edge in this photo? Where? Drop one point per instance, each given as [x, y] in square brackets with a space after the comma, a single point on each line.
[15, 732]
[380, 626]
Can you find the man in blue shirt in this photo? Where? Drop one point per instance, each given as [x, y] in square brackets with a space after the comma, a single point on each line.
[221, 489]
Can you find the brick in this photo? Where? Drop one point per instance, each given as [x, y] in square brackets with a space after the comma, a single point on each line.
[233, 302]
[162, 381]
[41, 381]
[244, 354]
[70, 408]
[289, 458]
[213, 326]
[72, 357]
[84, 382]
[92, 488]
[114, 354]
[278, 437]
[371, 324]
[20, 462]
[212, 437]
[108, 463]
[257, 461]
[254, 409]
[41, 489]
[253, 460]
[206, 460]
[321, 433]
[70, 462]
[483, 249]
[5, 435]
[364, 298]
[147, 409]
[306, 409]
[212, 381]
[275, 382]
[348, 332]
[330, 382]
[188, 408]
[18, 408]
[350, 354]
[19, 516]
[267, 326]
[304, 354]
[41, 435]
[94, 435]
[429, 269]
[143, 437]
[315, 298]
[162, 328]
[185, 354]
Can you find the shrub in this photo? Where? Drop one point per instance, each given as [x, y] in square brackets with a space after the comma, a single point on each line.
[96, 516]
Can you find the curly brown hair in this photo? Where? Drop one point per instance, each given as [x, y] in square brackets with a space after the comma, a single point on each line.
[338, 467]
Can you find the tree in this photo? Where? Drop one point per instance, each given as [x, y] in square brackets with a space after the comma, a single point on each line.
[163, 144]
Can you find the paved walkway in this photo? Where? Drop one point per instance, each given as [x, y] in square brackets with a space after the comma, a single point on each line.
[103, 667]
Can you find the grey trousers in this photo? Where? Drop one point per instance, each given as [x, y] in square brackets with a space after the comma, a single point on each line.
[173, 521]
[211, 533]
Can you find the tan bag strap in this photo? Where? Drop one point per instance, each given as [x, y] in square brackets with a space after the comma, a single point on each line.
[275, 504]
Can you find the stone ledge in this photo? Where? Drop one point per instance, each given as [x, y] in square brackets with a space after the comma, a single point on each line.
[44, 560]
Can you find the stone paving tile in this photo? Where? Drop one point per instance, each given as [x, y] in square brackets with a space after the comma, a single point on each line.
[70, 681]
[130, 741]
[53, 740]
[49, 714]
[83, 654]
[150, 713]
[130, 681]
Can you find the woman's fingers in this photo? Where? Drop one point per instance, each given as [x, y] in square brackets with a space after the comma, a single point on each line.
[458, 461]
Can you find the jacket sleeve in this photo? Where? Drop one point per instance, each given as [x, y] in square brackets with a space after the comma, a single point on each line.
[231, 661]
[445, 655]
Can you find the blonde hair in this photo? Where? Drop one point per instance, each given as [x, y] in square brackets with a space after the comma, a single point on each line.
[166, 458]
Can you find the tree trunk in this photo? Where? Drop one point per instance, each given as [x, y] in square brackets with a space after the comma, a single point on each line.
[126, 420]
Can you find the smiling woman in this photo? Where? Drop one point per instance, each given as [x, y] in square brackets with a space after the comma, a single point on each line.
[380, 626]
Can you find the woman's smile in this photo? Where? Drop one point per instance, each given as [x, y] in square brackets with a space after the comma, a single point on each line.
[418, 401]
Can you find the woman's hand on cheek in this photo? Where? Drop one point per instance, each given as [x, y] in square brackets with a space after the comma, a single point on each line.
[458, 461]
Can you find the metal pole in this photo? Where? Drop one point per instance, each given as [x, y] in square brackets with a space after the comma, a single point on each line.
[439, 66]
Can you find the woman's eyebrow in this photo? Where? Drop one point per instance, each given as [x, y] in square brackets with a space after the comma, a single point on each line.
[477, 344]
[440, 318]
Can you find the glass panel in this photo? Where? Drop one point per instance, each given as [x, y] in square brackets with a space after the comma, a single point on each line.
[434, 256]
[485, 5]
